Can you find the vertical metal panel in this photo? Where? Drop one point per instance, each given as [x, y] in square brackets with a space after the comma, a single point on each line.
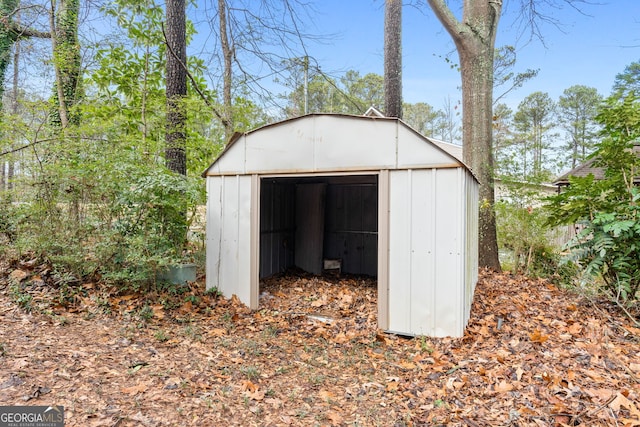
[383, 250]
[449, 238]
[423, 249]
[351, 229]
[400, 218]
[426, 244]
[254, 240]
[229, 236]
[277, 226]
[214, 230]
[310, 200]
[471, 236]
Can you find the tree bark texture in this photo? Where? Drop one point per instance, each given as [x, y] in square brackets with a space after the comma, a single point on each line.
[393, 58]
[227, 54]
[474, 38]
[176, 87]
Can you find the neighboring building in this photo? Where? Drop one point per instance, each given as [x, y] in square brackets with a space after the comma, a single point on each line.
[588, 168]
[368, 192]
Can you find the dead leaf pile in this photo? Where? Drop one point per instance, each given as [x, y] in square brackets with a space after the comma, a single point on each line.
[532, 355]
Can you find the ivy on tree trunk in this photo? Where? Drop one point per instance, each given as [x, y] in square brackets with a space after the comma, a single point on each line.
[66, 54]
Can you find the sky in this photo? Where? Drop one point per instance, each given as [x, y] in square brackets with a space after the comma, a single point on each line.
[589, 47]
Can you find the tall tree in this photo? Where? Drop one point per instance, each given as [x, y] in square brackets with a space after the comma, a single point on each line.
[533, 120]
[577, 108]
[176, 86]
[424, 118]
[393, 58]
[504, 78]
[474, 37]
[227, 55]
[627, 81]
[66, 59]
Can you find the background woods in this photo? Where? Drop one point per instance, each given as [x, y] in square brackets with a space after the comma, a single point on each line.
[111, 111]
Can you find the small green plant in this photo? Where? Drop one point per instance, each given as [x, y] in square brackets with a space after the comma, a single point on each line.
[251, 372]
[213, 291]
[3, 349]
[439, 403]
[425, 345]
[161, 335]
[193, 332]
[145, 313]
[21, 297]
[193, 299]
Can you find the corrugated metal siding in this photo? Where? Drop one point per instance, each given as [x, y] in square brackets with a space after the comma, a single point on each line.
[229, 235]
[310, 199]
[277, 226]
[471, 238]
[426, 252]
[351, 231]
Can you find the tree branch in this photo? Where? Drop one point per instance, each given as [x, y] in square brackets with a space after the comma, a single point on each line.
[22, 32]
[448, 19]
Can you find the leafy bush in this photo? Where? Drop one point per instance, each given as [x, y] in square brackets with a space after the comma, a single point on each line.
[526, 242]
[608, 246]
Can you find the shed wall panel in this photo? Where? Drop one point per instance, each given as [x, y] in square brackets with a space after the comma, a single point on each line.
[229, 211]
[449, 256]
[400, 218]
[360, 144]
[281, 148]
[414, 153]
[423, 242]
[426, 252]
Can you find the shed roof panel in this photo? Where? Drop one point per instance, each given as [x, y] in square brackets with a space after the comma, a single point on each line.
[330, 142]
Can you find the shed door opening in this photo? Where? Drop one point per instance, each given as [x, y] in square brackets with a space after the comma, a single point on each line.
[306, 220]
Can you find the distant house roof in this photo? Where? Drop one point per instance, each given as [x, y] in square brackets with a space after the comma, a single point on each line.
[588, 168]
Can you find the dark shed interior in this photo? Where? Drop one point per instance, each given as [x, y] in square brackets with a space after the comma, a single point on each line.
[306, 220]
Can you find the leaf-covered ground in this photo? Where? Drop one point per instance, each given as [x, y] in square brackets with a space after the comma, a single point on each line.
[532, 355]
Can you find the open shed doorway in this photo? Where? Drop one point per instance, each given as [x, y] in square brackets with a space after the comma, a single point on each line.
[308, 220]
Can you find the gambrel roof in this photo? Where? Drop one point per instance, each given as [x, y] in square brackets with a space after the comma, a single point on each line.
[332, 142]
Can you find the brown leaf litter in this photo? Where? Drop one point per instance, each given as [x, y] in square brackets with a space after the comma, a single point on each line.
[532, 355]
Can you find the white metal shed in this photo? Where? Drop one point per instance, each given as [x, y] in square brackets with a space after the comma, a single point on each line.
[369, 191]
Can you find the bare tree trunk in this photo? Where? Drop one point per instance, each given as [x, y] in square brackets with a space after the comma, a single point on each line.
[474, 38]
[393, 58]
[176, 89]
[227, 54]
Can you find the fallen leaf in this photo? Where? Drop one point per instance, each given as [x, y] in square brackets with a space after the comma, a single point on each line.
[503, 387]
[18, 276]
[538, 337]
[335, 418]
[133, 390]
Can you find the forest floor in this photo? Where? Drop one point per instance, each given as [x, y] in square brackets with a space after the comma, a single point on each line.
[532, 355]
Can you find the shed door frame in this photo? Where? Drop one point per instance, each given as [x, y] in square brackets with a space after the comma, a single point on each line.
[383, 236]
